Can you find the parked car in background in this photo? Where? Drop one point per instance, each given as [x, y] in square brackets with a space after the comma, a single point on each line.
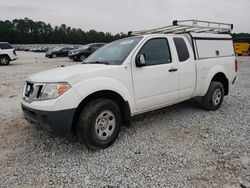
[7, 53]
[58, 52]
[83, 52]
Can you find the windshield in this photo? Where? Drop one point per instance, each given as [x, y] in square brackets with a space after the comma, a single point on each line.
[114, 53]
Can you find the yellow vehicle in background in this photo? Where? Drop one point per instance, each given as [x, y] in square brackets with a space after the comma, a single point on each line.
[242, 48]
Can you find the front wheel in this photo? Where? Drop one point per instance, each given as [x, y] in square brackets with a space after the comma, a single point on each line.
[82, 58]
[99, 124]
[214, 96]
[54, 56]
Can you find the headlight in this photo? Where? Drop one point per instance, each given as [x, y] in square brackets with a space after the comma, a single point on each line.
[74, 53]
[53, 90]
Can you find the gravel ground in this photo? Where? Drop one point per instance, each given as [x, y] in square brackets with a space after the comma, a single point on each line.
[179, 146]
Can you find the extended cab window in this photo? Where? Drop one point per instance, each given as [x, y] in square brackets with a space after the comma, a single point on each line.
[156, 52]
[182, 49]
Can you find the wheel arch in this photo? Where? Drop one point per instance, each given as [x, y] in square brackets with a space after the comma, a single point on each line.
[6, 55]
[221, 77]
[108, 94]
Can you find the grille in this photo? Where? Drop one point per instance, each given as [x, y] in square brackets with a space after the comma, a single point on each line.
[32, 91]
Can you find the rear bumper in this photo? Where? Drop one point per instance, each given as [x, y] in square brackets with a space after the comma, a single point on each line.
[58, 122]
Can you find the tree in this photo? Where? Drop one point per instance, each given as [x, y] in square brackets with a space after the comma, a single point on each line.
[27, 31]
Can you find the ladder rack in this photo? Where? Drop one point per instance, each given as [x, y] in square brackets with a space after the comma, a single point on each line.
[184, 26]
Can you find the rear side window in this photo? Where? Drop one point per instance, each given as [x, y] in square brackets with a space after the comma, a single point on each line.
[156, 52]
[182, 49]
[5, 46]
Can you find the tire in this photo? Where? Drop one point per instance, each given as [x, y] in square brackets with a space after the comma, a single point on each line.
[82, 58]
[4, 60]
[214, 96]
[54, 55]
[99, 124]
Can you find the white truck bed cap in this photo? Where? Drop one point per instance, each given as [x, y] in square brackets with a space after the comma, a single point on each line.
[211, 35]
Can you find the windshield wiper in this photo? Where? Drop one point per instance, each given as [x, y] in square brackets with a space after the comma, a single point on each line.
[97, 62]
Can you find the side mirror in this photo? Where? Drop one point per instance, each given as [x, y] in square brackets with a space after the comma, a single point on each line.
[140, 60]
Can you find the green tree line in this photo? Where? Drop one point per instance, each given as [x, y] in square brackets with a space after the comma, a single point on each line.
[27, 31]
[241, 37]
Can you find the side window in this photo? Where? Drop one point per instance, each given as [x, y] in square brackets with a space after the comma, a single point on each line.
[156, 52]
[182, 49]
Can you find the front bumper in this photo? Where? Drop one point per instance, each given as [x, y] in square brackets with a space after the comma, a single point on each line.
[73, 57]
[59, 122]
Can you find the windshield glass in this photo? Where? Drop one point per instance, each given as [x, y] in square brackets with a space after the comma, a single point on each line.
[114, 53]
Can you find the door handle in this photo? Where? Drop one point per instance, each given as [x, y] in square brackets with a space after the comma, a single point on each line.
[172, 70]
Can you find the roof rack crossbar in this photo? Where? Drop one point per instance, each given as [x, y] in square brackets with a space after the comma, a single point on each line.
[183, 26]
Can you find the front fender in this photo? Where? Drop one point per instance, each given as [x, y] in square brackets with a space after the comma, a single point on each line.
[92, 85]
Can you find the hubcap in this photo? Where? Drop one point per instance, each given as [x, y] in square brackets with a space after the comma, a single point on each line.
[217, 97]
[105, 125]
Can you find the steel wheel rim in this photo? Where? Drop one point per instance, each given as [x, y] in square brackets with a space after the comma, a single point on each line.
[105, 125]
[217, 96]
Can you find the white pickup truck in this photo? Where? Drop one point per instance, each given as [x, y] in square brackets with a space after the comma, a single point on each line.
[129, 77]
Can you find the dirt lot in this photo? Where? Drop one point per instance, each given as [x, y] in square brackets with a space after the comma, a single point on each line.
[179, 146]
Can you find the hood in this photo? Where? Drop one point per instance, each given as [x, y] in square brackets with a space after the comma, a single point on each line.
[70, 74]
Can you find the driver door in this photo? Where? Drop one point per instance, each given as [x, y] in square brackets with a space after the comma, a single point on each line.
[155, 83]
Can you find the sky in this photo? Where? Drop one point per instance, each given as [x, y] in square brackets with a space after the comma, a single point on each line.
[125, 15]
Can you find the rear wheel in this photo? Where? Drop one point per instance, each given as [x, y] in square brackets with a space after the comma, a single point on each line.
[99, 124]
[214, 96]
[4, 60]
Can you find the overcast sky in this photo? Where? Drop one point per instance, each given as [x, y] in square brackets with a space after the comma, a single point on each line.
[125, 15]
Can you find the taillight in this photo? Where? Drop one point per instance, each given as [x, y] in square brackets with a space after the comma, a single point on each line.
[236, 65]
[14, 52]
